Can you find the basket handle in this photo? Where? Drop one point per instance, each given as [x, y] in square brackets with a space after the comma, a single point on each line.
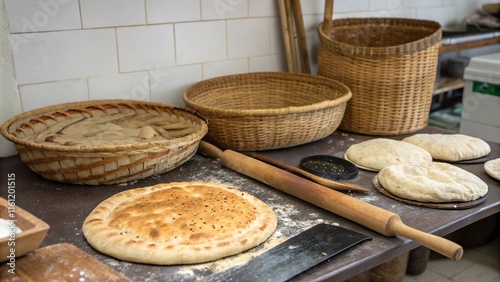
[327, 18]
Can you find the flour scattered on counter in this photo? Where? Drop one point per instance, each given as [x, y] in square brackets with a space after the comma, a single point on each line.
[112, 262]
[369, 199]
[284, 210]
[235, 260]
[186, 272]
[128, 183]
[7, 226]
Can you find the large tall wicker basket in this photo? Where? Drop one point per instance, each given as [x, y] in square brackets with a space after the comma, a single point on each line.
[390, 66]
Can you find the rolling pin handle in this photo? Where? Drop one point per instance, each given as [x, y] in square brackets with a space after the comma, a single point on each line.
[438, 244]
[209, 149]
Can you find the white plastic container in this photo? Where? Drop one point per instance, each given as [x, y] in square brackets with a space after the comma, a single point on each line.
[481, 98]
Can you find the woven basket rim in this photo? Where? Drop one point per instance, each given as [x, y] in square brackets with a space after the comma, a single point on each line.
[347, 94]
[405, 48]
[4, 128]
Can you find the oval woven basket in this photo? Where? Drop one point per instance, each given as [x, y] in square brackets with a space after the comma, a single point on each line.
[390, 66]
[101, 164]
[268, 110]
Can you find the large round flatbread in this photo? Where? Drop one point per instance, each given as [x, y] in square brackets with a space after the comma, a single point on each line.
[380, 152]
[450, 147]
[433, 182]
[492, 168]
[178, 223]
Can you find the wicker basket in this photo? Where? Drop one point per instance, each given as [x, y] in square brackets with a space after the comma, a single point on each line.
[94, 165]
[268, 110]
[390, 66]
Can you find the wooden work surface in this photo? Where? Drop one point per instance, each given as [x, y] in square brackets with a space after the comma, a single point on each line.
[64, 207]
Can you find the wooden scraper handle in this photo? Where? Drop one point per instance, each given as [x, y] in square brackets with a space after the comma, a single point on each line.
[377, 219]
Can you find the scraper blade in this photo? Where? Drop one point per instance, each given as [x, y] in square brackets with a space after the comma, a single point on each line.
[294, 256]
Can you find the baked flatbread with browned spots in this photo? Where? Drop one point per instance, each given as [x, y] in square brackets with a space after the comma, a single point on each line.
[178, 223]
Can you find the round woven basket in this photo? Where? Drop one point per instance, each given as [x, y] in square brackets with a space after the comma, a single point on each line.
[268, 110]
[95, 165]
[390, 66]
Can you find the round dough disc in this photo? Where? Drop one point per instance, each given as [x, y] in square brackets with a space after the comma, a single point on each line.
[492, 168]
[178, 223]
[432, 182]
[450, 147]
[378, 153]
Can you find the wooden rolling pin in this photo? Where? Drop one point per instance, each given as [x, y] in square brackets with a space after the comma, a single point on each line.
[377, 219]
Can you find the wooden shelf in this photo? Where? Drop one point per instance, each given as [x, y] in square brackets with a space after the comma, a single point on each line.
[468, 45]
[446, 83]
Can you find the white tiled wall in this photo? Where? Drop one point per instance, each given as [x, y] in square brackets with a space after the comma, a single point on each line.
[167, 11]
[49, 56]
[111, 13]
[144, 47]
[36, 16]
[69, 50]
[198, 42]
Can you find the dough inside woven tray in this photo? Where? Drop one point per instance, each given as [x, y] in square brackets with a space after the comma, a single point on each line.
[115, 129]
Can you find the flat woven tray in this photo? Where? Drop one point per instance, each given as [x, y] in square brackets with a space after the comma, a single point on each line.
[105, 164]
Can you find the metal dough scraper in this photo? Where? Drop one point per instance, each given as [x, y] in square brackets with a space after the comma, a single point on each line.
[294, 256]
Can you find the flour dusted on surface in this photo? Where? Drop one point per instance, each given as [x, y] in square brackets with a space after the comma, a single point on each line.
[6, 228]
